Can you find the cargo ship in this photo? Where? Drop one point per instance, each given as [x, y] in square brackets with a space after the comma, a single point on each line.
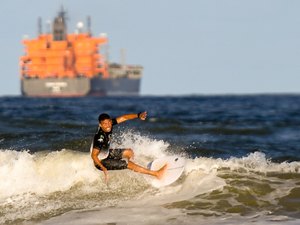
[62, 64]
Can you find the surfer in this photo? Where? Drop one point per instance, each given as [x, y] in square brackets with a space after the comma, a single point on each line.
[106, 158]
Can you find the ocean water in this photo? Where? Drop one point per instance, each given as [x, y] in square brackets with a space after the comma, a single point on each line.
[242, 161]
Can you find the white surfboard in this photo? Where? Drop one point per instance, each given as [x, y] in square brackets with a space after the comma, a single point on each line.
[173, 172]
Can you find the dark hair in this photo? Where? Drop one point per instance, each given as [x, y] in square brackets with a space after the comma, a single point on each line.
[103, 116]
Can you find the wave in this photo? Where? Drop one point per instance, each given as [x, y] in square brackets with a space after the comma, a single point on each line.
[24, 172]
[59, 181]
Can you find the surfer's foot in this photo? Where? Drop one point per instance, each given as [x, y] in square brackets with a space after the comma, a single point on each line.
[161, 171]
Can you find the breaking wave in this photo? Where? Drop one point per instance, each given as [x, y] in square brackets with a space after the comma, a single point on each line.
[45, 184]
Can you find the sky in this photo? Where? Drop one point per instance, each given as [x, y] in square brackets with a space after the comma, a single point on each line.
[187, 47]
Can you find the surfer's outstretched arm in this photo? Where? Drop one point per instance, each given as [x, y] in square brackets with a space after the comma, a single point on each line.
[156, 173]
[123, 118]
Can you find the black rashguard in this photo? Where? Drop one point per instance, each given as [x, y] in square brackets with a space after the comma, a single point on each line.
[102, 140]
[110, 158]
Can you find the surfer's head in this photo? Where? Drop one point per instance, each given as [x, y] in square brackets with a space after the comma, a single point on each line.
[105, 122]
[103, 116]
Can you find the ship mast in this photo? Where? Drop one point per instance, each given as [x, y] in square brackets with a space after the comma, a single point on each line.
[89, 30]
[40, 30]
[123, 57]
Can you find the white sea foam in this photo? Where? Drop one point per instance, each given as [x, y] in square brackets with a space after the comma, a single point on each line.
[43, 173]
[145, 148]
[258, 162]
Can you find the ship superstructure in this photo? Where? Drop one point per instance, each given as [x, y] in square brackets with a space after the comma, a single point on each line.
[61, 64]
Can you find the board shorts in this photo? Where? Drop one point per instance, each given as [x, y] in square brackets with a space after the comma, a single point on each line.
[114, 160]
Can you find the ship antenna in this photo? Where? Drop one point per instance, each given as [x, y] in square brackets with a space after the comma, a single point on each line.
[40, 31]
[123, 57]
[89, 26]
[48, 26]
[107, 53]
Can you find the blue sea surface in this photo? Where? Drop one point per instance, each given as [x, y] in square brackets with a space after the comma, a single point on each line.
[211, 126]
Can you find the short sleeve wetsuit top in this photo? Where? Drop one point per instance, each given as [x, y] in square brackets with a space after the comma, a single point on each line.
[110, 158]
[102, 140]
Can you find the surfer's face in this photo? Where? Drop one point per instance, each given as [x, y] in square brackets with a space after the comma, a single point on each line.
[106, 125]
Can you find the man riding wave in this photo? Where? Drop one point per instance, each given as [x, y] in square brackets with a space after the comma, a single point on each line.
[106, 158]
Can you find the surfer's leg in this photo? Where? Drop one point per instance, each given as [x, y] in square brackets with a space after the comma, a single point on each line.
[128, 153]
[156, 173]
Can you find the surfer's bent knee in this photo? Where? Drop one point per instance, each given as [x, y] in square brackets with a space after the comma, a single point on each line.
[128, 153]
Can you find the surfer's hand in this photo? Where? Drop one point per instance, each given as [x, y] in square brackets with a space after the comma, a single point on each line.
[142, 115]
